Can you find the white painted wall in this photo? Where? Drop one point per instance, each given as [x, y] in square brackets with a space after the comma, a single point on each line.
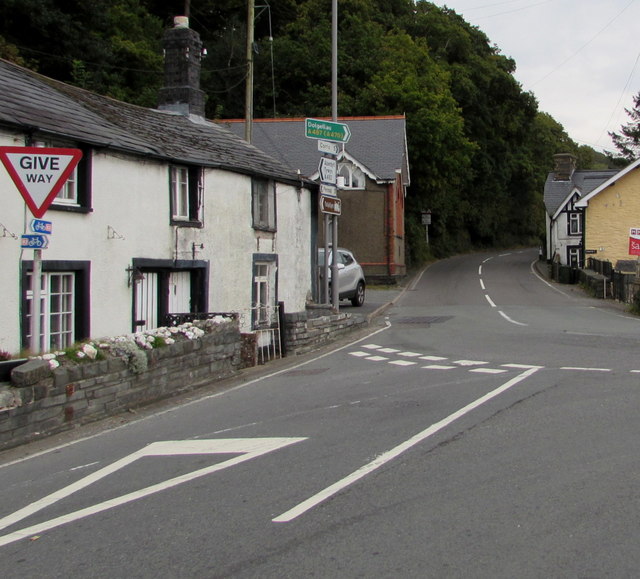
[294, 247]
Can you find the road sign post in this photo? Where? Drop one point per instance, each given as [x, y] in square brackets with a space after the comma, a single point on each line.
[330, 205]
[328, 170]
[329, 147]
[329, 134]
[327, 130]
[39, 173]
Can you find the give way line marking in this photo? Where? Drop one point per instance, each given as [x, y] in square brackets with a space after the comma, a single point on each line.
[388, 456]
[246, 448]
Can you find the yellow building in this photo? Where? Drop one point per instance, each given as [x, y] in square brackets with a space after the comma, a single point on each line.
[612, 218]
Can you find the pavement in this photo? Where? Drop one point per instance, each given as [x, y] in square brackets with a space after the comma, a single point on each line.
[377, 300]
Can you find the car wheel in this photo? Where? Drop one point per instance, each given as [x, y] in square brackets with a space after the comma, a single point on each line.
[358, 299]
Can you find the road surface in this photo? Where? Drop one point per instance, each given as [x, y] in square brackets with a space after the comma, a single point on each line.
[487, 426]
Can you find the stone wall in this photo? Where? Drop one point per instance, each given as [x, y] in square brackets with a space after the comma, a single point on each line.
[41, 401]
[316, 327]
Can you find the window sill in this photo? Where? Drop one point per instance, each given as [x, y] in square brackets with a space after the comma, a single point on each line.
[71, 208]
[179, 223]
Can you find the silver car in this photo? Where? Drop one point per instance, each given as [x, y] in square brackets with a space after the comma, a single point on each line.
[350, 275]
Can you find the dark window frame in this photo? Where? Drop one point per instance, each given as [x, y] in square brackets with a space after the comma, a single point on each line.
[263, 204]
[574, 217]
[195, 187]
[260, 259]
[82, 289]
[163, 267]
[83, 177]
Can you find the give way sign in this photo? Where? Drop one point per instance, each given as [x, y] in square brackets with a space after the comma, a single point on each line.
[39, 173]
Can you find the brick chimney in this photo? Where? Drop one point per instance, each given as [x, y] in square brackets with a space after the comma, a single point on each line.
[565, 165]
[182, 55]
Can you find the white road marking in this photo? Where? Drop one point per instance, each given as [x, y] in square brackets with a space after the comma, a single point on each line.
[506, 317]
[410, 354]
[246, 448]
[438, 367]
[585, 369]
[388, 350]
[487, 370]
[524, 366]
[371, 346]
[433, 358]
[386, 457]
[544, 281]
[359, 354]
[84, 466]
[469, 362]
[198, 400]
[402, 363]
[490, 301]
[482, 285]
[376, 358]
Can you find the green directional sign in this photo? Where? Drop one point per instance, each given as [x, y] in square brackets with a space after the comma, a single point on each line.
[327, 130]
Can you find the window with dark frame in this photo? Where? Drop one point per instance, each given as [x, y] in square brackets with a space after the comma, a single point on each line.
[574, 255]
[263, 199]
[64, 298]
[75, 194]
[264, 292]
[186, 186]
[575, 224]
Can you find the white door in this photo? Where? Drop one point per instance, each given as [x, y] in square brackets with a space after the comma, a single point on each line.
[146, 310]
[179, 292]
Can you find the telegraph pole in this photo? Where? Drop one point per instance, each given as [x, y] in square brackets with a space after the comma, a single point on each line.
[335, 296]
[248, 98]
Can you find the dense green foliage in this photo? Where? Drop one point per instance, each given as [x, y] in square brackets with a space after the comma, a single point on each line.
[479, 148]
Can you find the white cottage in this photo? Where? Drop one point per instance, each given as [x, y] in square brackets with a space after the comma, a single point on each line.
[166, 213]
[564, 187]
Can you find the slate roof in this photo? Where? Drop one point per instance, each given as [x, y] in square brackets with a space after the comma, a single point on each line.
[584, 202]
[556, 192]
[378, 143]
[31, 102]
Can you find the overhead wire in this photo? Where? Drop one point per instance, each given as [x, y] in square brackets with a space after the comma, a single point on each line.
[587, 43]
[622, 93]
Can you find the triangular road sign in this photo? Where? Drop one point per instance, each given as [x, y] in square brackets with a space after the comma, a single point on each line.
[39, 173]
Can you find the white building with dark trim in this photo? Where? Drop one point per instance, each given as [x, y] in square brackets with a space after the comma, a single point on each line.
[564, 187]
[167, 213]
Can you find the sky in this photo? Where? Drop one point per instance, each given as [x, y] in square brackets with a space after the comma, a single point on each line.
[580, 58]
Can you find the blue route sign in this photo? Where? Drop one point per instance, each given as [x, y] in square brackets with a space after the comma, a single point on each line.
[41, 226]
[34, 241]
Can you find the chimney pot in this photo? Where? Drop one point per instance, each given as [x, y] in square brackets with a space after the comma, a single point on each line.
[181, 22]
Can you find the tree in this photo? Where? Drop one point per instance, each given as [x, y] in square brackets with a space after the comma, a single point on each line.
[628, 143]
[479, 148]
[112, 47]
